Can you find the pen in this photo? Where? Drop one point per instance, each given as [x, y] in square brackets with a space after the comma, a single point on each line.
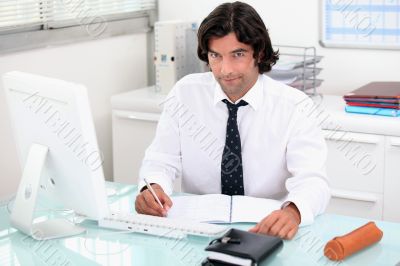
[152, 192]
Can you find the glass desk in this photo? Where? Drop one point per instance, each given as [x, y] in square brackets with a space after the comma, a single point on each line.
[107, 247]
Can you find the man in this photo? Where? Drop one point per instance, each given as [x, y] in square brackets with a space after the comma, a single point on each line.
[236, 131]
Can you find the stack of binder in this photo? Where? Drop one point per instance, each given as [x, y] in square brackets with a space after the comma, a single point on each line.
[375, 98]
[297, 68]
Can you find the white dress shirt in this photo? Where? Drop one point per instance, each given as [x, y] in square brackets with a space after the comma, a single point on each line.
[283, 150]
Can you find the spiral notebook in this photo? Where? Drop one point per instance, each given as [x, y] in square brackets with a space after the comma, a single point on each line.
[220, 208]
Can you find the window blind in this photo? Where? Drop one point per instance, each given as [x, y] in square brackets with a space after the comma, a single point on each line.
[45, 14]
[16, 14]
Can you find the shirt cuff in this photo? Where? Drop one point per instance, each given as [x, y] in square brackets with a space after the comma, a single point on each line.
[159, 178]
[306, 215]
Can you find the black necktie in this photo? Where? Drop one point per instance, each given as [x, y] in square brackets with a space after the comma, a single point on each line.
[231, 164]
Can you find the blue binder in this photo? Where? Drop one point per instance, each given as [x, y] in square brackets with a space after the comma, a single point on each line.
[372, 110]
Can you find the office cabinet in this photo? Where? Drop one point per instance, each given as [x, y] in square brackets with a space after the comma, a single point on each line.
[134, 120]
[363, 162]
[132, 134]
[135, 115]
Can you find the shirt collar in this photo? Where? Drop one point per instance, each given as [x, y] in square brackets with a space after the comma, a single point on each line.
[253, 97]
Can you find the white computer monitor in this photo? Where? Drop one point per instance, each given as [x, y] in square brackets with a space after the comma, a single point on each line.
[58, 152]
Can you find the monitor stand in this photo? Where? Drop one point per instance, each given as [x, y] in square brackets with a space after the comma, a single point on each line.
[22, 214]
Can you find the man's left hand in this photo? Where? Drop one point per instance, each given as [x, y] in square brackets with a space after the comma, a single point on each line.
[281, 223]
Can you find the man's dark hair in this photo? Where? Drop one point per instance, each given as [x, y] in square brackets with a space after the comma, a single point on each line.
[244, 21]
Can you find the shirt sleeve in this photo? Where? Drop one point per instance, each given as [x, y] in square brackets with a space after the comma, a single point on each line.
[162, 160]
[306, 156]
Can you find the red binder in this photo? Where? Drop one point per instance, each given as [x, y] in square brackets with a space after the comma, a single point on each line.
[374, 90]
[380, 105]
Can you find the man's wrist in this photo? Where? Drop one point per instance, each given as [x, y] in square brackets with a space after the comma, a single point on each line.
[151, 184]
[292, 208]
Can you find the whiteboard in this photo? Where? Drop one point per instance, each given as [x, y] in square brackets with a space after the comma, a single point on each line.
[360, 23]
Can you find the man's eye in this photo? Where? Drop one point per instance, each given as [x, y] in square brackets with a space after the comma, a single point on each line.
[213, 55]
[239, 54]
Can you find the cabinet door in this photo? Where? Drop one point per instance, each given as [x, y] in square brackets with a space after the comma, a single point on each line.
[392, 180]
[355, 168]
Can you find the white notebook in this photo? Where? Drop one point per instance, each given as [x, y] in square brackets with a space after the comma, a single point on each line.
[220, 208]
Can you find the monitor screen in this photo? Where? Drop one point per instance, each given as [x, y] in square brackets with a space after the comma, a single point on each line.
[57, 115]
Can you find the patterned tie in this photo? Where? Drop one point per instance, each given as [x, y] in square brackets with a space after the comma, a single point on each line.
[231, 164]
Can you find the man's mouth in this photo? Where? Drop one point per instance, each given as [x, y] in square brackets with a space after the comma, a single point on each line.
[229, 79]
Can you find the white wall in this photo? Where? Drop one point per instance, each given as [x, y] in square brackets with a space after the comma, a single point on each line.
[105, 67]
[293, 22]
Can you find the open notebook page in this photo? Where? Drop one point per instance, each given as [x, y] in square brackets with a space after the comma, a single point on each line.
[216, 208]
[250, 209]
[212, 208]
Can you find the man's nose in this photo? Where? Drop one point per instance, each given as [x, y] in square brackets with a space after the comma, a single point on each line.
[226, 67]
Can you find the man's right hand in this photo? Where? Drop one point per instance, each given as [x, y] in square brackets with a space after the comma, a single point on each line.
[146, 203]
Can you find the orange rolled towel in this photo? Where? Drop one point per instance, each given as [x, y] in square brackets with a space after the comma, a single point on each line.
[343, 246]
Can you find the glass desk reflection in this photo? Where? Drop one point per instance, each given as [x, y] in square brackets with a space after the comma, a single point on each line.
[108, 247]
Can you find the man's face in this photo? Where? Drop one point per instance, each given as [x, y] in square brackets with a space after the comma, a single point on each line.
[233, 65]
